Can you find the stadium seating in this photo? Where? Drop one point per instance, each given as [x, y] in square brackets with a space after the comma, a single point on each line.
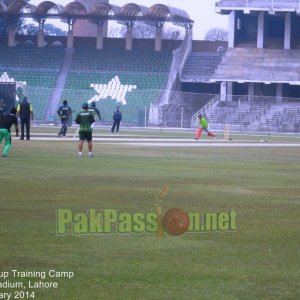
[257, 116]
[107, 75]
[200, 66]
[266, 65]
[36, 69]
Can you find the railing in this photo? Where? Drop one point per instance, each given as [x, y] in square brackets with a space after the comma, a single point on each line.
[180, 55]
[212, 103]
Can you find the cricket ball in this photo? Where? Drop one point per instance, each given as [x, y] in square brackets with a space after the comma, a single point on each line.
[176, 221]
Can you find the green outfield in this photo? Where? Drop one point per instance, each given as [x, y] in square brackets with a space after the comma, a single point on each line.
[257, 260]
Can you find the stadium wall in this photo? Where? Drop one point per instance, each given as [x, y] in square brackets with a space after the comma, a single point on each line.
[208, 46]
[90, 42]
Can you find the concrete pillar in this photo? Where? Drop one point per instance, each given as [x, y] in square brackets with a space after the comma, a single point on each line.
[158, 39]
[229, 91]
[129, 38]
[12, 35]
[70, 39]
[260, 30]
[279, 92]
[251, 91]
[99, 41]
[287, 30]
[223, 91]
[40, 38]
[231, 33]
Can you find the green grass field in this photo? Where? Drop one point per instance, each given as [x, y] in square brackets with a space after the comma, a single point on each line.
[260, 260]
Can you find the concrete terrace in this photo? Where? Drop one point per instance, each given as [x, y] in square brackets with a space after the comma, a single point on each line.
[259, 65]
[260, 5]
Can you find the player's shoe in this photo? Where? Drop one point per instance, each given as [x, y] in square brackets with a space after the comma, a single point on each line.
[79, 155]
[91, 155]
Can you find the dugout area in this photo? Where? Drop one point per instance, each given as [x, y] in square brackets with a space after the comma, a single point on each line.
[8, 94]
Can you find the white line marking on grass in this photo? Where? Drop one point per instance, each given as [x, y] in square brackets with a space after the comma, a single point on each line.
[167, 142]
[202, 144]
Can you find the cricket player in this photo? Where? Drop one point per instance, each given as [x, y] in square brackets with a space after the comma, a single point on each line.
[95, 111]
[85, 119]
[203, 125]
[64, 112]
[5, 134]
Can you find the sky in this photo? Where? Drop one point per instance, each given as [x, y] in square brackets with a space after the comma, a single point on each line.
[202, 12]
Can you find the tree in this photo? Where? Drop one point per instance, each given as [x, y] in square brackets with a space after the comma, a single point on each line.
[28, 29]
[216, 34]
[4, 19]
[51, 29]
[142, 30]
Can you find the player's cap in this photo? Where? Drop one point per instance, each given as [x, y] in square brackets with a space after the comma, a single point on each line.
[85, 106]
[65, 102]
[25, 98]
[199, 115]
[93, 104]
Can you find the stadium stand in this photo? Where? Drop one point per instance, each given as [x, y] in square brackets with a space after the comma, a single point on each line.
[256, 115]
[139, 75]
[200, 66]
[263, 65]
[37, 69]
[185, 76]
[262, 4]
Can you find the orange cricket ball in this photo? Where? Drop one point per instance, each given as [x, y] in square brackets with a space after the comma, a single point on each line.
[176, 221]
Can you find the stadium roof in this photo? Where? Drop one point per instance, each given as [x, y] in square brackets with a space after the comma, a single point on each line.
[156, 15]
[225, 6]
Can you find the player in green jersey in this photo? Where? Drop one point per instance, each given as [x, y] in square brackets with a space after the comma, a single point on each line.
[203, 125]
[95, 111]
[5, 134]
[85, 119]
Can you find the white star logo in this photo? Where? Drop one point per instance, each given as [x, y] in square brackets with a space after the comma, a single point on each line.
[113, 89]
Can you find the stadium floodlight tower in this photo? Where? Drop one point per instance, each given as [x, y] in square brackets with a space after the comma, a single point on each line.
[128, 14]
[43, 11]
[99, 15]
[71, 12]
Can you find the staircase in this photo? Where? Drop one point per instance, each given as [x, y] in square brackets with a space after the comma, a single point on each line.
[60, 83]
